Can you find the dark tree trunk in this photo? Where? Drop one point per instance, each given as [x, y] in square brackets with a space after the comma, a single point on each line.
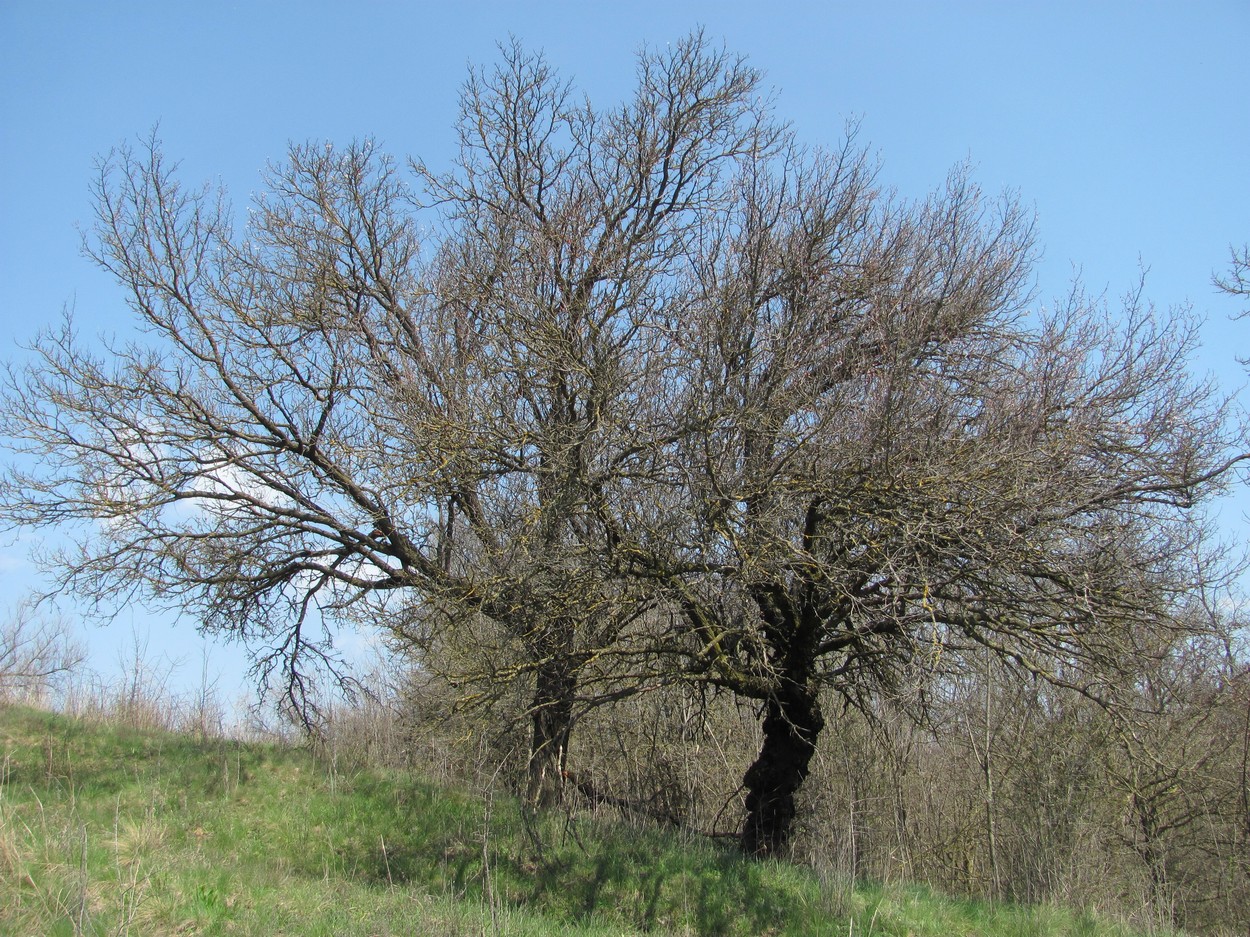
[792, 717]
[552, 716]
[792, 723]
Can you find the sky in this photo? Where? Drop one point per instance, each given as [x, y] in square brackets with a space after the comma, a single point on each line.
[1125, 126]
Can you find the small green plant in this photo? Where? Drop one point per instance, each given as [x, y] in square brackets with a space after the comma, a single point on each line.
[208, 902]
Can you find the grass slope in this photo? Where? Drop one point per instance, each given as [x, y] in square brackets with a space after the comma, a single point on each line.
[109, 831]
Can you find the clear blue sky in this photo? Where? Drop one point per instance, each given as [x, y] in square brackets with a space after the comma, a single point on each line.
[1126, 125]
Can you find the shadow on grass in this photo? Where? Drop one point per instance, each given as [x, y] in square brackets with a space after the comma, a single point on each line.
[653, 884]
[642, 878]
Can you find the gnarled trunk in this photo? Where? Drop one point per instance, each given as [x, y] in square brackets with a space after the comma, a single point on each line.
[792, 716]
[551, 713]
[792, 723]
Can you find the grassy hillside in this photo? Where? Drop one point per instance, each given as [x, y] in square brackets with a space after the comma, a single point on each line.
[110, 831]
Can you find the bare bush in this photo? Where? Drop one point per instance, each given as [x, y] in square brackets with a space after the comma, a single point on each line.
[36, 651]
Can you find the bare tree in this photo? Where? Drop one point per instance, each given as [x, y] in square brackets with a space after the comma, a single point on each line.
[625, 397]
[895, 466]
[322, 419]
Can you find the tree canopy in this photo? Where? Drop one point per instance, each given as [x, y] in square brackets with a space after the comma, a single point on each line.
[644, 394]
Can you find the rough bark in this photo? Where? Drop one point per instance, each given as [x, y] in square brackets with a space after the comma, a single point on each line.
[552, 722]
[792, 723]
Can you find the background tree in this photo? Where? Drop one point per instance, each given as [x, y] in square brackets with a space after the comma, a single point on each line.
[34, 651]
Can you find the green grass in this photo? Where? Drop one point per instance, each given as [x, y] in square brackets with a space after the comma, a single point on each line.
[110, 831]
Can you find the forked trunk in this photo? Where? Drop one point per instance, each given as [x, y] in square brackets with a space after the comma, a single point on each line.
[792, 723]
